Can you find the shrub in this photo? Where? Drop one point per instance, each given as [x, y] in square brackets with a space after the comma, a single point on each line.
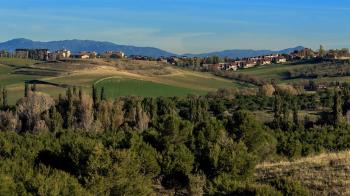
[224, 186]
[290, 187]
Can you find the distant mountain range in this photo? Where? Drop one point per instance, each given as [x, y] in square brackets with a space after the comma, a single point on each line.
[236, 53]
[77, 46]
[88, 45]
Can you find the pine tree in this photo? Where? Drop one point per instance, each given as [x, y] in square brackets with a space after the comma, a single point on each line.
[103, 94]
[346, 101]
[277, 109]
[80, 94]
[74, 90]
[69, 120]
[1, 103]
[94, 96]
[26, 89]
[4, 97]
[34, 87]
[285, 110]
[95, 101]
[295, 113]
[337, 107]
[55, 120]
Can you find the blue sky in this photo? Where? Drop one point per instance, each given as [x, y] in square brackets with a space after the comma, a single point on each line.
[182, 26]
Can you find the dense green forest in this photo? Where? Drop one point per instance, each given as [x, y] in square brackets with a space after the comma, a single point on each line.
[79, 144]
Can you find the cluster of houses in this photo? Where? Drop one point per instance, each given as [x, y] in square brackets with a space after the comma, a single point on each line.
[248, 62]
[244, 63]
[37, 54]
[228, 65]
[46, 55]
[233, 65]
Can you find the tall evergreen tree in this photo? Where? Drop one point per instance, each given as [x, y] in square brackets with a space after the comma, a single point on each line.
[346, 101]
[277, 109]
[80, 94]
[295, 112]
[285, 109]
[69, 120]
[74, 90]
[55, 120]
[95, 101]
[26, 89]
[94, 95]
[337, 108]
[34, 87]
[1, 102]
[4, 97]
[103, 94]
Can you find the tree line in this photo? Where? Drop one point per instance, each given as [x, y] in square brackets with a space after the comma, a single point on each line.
[339, 69]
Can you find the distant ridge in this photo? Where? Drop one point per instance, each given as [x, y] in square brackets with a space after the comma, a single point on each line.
[83, 45]
[236, 53]
[76, 46]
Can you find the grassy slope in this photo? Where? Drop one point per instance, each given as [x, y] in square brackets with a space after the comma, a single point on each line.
[14, 82]
[278, 73]
[180, 82]
[326, 174]
[123, 87]
[17, 62]
[273, 71]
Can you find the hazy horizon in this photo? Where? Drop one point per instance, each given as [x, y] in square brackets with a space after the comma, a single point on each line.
[181, 26]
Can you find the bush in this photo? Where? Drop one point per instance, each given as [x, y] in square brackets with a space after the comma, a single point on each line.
[290, 187]
[7, 186]
[225, 186]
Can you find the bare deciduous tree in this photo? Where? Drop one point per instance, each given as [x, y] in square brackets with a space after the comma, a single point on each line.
[31, 108]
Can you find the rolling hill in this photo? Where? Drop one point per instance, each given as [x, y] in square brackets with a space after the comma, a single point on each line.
[89, 45]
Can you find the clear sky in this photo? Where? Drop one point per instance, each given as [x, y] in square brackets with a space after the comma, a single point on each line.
[182, 26]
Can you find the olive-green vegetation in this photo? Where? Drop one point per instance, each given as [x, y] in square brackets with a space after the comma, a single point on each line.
[78, 144]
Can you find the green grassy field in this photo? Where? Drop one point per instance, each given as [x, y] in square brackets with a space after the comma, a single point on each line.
[274, 71]
[278, 72]
[126, 87]
[141, 79]
[177, 83]
[8, 78]
[17, 62]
